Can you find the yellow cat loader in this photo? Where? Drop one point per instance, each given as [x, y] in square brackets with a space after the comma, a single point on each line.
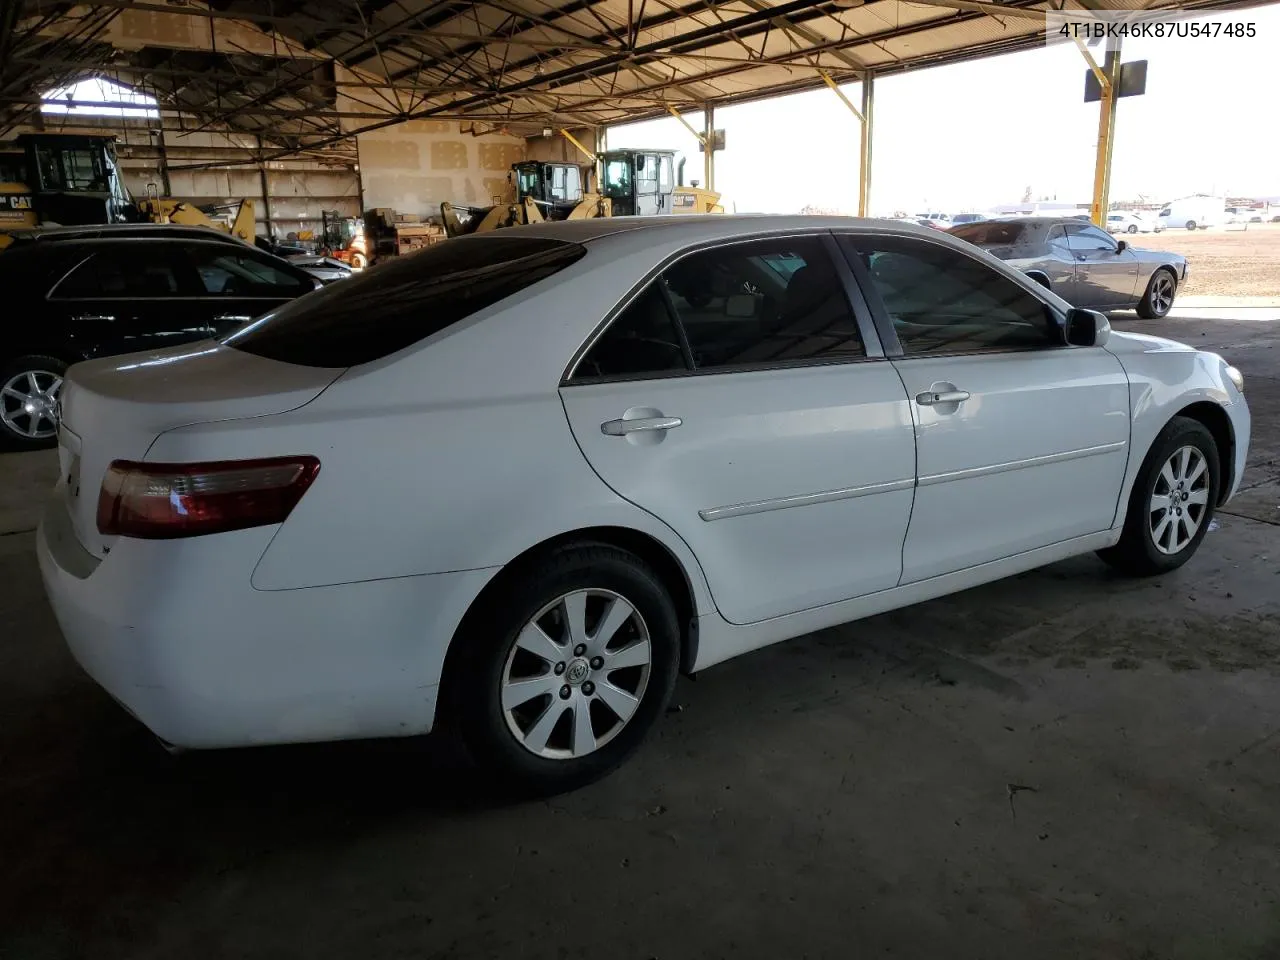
[49, 179]
[544, 191]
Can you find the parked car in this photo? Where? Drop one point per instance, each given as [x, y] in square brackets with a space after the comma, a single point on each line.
[431, 491]
[939, 220]
[1123, 221]
[108, 295]
[1082, 264]
[324, 269]
[963, 218]
[1243, 215]
[1193, 212]
[154, 231]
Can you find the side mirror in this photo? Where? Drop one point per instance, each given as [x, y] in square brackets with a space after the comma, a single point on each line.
[1121, 246]
[1086, 328]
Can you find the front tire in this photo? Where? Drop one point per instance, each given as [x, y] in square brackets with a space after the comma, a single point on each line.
[29, 388]
[1133, 228]
[1157, 301]
[1191, 224]
[1172, 501]
[565, 668]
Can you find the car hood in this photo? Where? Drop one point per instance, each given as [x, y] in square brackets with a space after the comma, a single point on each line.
[1126, 343]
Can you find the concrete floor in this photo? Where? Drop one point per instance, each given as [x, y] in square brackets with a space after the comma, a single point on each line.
[1066, 764]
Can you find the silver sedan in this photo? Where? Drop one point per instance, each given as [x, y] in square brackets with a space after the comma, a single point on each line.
[1085, 266]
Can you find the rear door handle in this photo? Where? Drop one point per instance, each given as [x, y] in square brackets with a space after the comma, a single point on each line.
[620, 428]
[928, 399]
[93, 316]
[232, 318]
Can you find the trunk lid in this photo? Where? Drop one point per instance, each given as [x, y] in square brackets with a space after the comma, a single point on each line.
[113, 409]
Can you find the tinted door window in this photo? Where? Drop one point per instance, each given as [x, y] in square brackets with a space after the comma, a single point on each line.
[646, 174]
[763, 302]
[1057, 240]
[1089, 239]
[228, 272]
[643, 341]
[392, 306]
[941, 301]
[132, 273]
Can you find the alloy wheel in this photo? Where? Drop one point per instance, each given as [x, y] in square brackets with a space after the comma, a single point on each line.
[1161, 292]
[29, 404]
[576, 674]
[1179, 501]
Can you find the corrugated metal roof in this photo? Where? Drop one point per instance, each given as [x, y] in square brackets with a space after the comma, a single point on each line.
[519, 64]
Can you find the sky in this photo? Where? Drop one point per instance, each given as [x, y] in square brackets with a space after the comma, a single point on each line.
[969, 136]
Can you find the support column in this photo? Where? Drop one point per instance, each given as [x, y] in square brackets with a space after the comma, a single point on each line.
[708, 147]
[164, 163]
[1101, 203]
[266, 195]
[864, 166]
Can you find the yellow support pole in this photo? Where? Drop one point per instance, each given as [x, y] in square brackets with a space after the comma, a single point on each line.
[1109, 82]
[708, 146]
[826, 78]
[687, 125]
[589, 154]
[864, 167]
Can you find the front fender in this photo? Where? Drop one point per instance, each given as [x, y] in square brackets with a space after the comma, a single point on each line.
[1165, 379]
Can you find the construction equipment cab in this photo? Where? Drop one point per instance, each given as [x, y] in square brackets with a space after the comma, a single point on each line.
[642, 182]
[556, 187]
[639, 182]
[48, 178]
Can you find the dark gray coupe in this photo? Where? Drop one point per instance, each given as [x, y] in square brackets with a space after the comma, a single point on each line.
[1085, 266]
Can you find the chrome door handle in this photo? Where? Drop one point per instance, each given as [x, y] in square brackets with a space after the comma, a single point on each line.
[232, 317]
[94, 316]
[620, 428]
[928, 399]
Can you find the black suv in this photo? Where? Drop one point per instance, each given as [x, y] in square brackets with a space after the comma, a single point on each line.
[83, 298]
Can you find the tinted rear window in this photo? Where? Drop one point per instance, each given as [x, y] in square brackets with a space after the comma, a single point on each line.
[396, 304]
[990, 234]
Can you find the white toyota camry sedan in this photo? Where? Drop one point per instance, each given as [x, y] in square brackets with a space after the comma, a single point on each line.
[515, 483]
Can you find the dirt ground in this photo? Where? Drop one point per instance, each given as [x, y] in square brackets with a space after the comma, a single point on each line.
[1066, 764]
[1224, 262]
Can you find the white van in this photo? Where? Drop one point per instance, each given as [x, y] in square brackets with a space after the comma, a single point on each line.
[1192, 212]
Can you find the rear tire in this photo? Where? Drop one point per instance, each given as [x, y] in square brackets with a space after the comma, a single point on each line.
[29, 387]
[1133, 228]
[1157, 301]
[541, 628]
[1191, 224]
[1180, 473]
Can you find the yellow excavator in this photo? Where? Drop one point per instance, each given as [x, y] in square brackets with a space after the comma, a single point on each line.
[51, 179]
[636, 182]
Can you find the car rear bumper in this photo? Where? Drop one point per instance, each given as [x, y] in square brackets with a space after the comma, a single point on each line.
[174, 631]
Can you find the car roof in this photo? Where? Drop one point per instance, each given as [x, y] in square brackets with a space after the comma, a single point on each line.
[725, 226]
[118, 231]
[655, 238]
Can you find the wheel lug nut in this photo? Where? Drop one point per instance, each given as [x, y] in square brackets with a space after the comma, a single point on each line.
[564, 692]
[559, 669]
[597, 663]
[588, 688]
[579, 650]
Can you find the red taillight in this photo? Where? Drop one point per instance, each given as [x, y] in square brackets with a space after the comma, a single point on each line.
[162, 501]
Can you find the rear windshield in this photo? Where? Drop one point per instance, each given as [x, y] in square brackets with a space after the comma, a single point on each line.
[990, 234]
[396, 304]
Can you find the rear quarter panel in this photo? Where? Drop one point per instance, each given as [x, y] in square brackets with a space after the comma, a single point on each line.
[455, 454]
